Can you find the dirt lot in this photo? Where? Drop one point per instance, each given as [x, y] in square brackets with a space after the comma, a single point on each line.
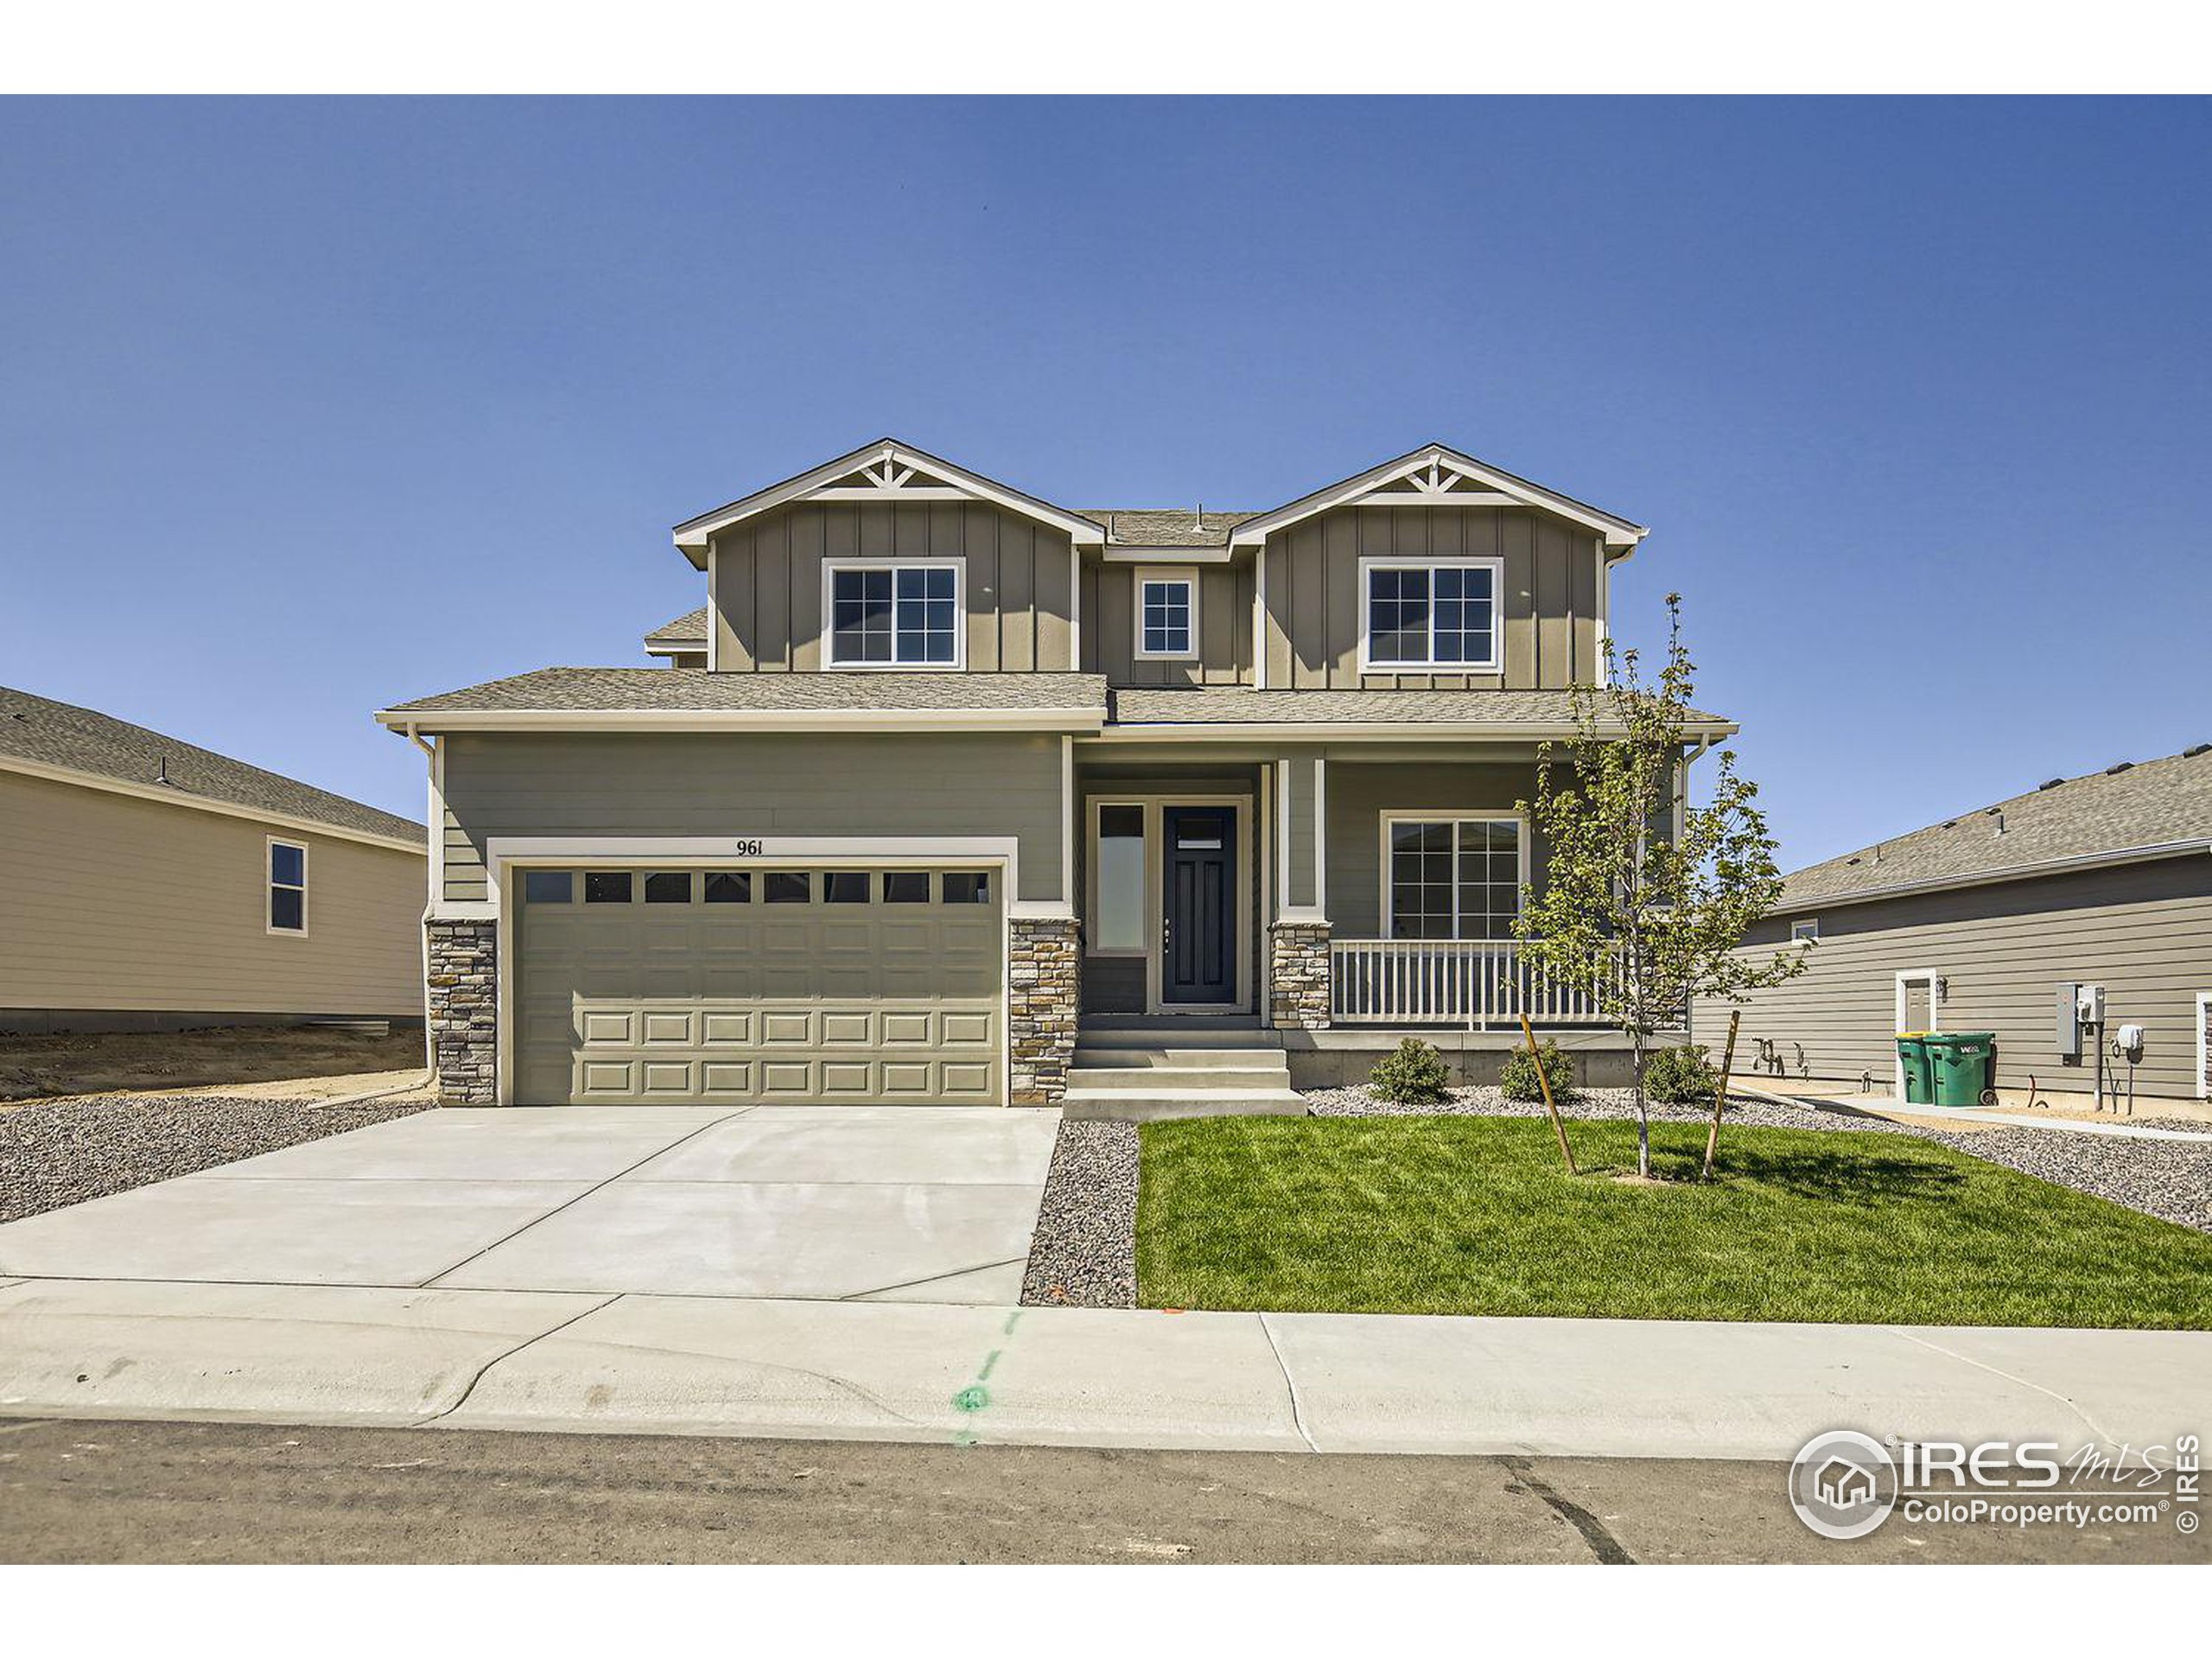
[34, 1068]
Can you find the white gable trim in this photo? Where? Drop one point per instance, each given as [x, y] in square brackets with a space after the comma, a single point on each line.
[1437, 477]
[882, 472]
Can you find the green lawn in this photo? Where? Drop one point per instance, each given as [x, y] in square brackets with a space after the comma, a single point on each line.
[1471, 1215]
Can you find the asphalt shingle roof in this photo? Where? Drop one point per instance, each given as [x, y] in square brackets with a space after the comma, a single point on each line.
[632, 690]
[691, 626]
[1165, 526]
[1225, 705]
[2153, 805]
[83, 740]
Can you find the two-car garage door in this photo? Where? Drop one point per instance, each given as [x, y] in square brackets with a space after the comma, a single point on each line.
[758, 986]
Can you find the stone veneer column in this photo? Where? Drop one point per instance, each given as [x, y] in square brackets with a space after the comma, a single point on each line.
[464, 1011]
[1298, 975]
[1041, 1007]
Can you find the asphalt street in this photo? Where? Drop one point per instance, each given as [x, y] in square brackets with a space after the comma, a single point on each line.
[76, 1491]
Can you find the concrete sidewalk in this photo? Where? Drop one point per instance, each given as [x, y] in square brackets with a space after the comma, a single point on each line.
[823, 1370]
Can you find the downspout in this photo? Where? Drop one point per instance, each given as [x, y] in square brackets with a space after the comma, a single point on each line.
[433, 884]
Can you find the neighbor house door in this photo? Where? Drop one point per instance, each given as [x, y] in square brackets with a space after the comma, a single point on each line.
[1198, 916]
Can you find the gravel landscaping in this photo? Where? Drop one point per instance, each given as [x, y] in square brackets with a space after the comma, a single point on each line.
[62, 1152]
[1086, 1252]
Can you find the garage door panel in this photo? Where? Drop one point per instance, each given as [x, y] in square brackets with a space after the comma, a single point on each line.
[750, 1002]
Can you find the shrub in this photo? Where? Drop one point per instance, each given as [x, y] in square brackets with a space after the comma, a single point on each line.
[1517, 1077]
[1415, 1076]
[1680, 1075]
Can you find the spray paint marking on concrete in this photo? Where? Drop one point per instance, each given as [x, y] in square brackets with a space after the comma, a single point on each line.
[975, 1398]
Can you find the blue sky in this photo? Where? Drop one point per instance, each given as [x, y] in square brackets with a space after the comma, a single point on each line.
[314, 406]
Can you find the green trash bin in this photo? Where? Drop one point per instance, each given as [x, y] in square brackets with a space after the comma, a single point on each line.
[1963, 1065]
[1912, 1049]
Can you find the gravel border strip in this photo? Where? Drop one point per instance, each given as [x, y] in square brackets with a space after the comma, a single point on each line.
[1084, 1254]
[56, 1152]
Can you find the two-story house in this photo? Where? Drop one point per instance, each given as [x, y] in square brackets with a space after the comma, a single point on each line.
[943, 777]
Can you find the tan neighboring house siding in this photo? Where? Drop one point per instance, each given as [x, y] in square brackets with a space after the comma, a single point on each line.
[764, 581]
[1549, 598]
[887, 784]
[2143, 932]
[112, 902]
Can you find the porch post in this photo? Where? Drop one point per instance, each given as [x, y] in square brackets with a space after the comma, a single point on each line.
[1299, 992]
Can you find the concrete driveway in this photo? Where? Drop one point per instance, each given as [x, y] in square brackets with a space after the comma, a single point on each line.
[884, 1205]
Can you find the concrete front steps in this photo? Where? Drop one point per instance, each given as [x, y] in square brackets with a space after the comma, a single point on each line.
[1172, 1070]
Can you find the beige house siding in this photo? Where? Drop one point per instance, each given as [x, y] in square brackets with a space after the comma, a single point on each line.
[2143, 931]
[1550, 593]
[115, 903]
[1224, 641]
[766, 581]
[623, 784]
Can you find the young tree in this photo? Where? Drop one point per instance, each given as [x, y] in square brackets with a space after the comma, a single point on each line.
[1638, 919]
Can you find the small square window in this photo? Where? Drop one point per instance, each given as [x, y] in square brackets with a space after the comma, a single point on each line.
[1165, 606]
[607, 887]
[967, 886]
[906, 887]
[668, 887]
[549, 886]
[729, 887]
[1805, 927]
[846, 886]
[790, 888]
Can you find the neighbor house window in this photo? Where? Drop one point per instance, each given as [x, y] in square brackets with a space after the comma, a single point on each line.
[1805, 928]
[1452, 878]
[288, 887]
[887, 615]
[1167, 611]
[1431, 615]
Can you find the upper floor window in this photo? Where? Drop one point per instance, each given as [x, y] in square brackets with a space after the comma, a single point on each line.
[1168, 614]
[1435, 614]
[288, 887]
[903, 614]
[1805, 928]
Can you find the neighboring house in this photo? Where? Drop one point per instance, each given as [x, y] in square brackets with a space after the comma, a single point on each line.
[148, 884]
[944, 778]
[1974, 924]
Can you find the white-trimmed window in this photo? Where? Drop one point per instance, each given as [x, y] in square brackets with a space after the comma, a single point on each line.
[1430, 613]
[895, 613]
[1805, 930]
[1166, 614]
[1446, 877]
[285, 868]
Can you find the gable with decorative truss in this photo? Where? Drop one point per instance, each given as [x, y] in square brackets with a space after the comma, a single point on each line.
[1431, 477]
[887, 473]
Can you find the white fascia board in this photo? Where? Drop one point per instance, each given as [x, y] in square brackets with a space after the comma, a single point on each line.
[1085, 721]
[175, 795]
[1131, 553]
[1342, 731]
[1825, 902]
[693, 534]
[673, 647]
[1618, 532]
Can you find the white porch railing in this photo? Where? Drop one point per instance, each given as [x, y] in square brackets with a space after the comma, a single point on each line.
[1471, 982]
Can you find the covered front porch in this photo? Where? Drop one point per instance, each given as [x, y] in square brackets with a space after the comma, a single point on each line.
[1367, 888]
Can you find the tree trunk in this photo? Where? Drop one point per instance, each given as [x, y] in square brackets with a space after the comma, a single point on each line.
[1643, 1120]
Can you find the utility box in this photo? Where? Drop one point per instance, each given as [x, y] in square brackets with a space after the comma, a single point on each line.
[2068, 1029]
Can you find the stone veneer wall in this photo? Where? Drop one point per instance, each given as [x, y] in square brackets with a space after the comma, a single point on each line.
[464, 1010]
[1298, 975]
[1041, 1007]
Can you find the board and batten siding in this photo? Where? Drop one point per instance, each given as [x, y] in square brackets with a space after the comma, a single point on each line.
[765, 581]
[1315, 607]
[1224, 641]
[1359, 792]
[631, 783]
[110, 902]
[2143, 932]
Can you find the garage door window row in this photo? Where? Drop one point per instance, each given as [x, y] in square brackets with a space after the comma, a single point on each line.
[764, 886]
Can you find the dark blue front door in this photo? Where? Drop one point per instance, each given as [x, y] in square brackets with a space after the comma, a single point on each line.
[1198, 942]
